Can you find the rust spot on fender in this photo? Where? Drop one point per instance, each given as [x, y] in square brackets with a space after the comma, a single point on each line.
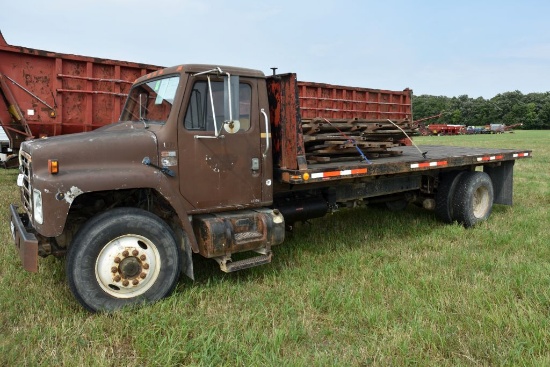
[72, 194]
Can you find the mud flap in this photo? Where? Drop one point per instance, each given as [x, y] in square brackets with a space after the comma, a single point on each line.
[502, 177]
[187, 253]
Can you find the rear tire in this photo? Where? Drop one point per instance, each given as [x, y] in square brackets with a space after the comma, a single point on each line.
[473, 198]
[444, 196]
[123, 257]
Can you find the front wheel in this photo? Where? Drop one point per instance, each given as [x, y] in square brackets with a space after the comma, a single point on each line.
[473, 198]
[123, 257]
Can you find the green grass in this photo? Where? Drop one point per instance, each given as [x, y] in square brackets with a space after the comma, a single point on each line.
[362, 287]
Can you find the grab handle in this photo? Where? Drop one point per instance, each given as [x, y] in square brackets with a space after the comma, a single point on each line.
[266, 132]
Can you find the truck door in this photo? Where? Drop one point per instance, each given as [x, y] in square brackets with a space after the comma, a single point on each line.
[220, 161]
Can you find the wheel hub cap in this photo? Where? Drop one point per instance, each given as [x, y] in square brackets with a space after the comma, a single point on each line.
[127, 266]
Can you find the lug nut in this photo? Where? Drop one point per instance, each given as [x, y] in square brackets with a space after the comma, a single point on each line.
[114, 269]
[117, 278]
[125, 283]
[117, 259]
[135, 282]
[142, 257]
[142, 275]
[135, 253]
[145, 266]
[125, 253]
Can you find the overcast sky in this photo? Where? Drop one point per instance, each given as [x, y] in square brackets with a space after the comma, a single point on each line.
[473, 47]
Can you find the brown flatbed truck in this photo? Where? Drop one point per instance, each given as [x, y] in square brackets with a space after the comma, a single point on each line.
[222, 160]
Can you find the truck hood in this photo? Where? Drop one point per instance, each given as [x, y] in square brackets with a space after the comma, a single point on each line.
[102, 160]
[118, 144]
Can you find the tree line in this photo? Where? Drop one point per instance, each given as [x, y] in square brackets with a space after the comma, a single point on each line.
[510, 108]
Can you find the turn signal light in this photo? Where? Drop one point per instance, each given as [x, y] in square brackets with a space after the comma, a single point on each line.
[53, 166]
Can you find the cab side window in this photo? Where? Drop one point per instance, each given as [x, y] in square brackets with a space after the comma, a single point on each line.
[245, 99]
[205, 104]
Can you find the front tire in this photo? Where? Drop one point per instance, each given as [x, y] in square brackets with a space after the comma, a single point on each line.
[123, 257]
[473, 198]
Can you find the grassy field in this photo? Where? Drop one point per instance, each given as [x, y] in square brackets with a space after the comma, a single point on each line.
[357, 288]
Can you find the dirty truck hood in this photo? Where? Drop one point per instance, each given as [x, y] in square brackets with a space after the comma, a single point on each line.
[118, 144]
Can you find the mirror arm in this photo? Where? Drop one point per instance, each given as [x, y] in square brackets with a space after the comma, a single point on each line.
[217, 70]
[216, 133]
[230, 100]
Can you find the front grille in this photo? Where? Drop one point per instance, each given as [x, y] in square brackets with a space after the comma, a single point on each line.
[26, 189]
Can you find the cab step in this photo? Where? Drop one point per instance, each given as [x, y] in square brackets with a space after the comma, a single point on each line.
[229, 266]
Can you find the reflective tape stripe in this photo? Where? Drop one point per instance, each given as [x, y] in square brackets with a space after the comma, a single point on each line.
[518, 155]
[429, 164]
[347, 172]
[490, 158]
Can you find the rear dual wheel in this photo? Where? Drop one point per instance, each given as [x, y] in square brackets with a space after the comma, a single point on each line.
[123, 257]
[473, 199]
[445, 194]
[465, 196]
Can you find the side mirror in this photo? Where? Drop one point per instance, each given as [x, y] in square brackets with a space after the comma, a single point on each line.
[232, 126]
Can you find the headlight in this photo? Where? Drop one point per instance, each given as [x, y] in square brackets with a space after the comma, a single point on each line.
[37, 206]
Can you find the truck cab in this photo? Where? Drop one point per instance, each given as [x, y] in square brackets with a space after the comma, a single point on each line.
[192, 141]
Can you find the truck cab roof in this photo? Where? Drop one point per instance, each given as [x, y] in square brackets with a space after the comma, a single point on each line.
[198, 68]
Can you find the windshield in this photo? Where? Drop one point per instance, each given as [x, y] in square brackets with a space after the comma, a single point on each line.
[151, 101]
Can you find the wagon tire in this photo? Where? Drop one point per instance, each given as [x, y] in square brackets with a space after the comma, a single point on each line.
[444, 195]
[473, 198]
[123, 257]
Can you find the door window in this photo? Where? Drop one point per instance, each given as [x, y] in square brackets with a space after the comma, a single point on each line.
[211, 105]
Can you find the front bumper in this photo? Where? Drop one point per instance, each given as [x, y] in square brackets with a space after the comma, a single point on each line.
[25, 241]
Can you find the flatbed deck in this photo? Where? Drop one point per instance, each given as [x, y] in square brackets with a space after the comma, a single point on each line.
[411, 160]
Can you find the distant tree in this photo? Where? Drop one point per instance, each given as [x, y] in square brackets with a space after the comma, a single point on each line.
[532, 110]
[516, 115]
[426, 106]
[544, 116]
[530, 120]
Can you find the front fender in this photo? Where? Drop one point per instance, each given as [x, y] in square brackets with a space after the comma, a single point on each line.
[59, 193]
